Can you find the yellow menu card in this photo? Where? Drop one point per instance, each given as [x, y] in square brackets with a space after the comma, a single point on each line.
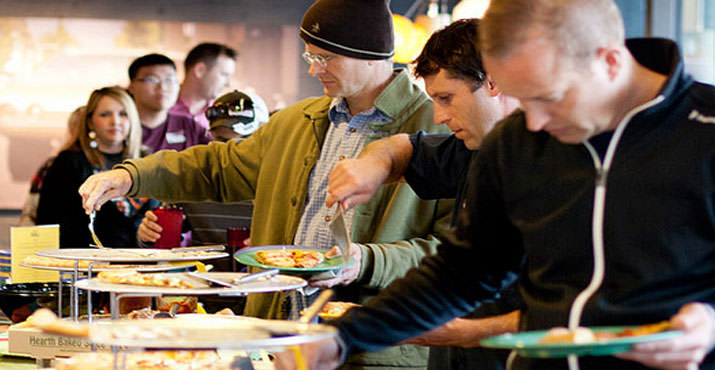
[27, 240]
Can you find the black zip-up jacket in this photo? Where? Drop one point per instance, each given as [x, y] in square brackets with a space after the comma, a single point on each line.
[530, 211]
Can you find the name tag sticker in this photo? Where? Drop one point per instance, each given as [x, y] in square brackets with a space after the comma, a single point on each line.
[175, 137]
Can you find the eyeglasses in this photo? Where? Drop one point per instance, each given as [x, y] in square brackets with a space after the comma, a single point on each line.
[322, 60]
[171, 81]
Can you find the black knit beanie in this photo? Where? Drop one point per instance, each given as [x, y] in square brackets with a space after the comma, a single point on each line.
[359, 29]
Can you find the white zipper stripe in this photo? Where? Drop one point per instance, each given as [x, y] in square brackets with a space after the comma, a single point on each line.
[599, 204]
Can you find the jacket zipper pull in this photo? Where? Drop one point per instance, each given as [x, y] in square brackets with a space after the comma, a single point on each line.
[601, 175]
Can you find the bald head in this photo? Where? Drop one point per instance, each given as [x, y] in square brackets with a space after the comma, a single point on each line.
[578, 27]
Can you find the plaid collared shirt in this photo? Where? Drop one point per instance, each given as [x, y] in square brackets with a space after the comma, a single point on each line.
[345, 139]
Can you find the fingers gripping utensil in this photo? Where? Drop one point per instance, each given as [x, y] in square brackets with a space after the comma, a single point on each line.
[341, 233]
[95, 239]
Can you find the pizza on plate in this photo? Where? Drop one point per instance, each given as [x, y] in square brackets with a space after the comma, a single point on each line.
[165, 280]
[586, 335]
[46, 320]
[334, 309]
[149, 360]
[290, 258]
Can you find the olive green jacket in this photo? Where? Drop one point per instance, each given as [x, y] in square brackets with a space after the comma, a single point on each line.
[395, 228]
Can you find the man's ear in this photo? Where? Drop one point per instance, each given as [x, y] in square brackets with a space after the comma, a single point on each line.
[491, 87]
[199, 69]
[612, 58]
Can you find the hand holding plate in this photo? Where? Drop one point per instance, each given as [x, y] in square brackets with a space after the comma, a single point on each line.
[347, 275]
[686, 351]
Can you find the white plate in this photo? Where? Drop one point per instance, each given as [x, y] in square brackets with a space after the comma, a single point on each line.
[261, 285]
[125, 255]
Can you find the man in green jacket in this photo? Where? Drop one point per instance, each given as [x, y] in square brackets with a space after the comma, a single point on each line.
[284, 166]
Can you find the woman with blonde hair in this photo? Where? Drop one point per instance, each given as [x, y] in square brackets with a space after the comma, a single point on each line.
[108, 133]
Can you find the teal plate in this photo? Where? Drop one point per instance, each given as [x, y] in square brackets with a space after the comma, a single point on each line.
[527, 344]
[248, 258]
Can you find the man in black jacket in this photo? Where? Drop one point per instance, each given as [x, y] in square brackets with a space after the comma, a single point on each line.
[435, 166]
[602, 192]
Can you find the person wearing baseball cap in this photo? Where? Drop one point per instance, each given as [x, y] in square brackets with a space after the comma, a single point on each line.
[236, 114]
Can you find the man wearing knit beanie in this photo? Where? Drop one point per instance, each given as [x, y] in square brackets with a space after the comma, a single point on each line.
[284, 168]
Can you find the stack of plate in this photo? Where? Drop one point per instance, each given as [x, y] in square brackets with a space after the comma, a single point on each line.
[5, 265]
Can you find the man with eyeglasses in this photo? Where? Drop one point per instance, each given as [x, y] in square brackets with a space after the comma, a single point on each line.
[154, 87]
[208, 68]
[284, 167]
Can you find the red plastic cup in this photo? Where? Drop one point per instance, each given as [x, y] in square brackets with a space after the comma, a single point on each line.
[235, 236]
[170, 220]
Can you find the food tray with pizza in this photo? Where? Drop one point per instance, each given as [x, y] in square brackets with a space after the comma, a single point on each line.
[211, 331]
[149, 360]
[594, 341]
[291, 259]
[128, 281]
[130, 254]
[65, 265]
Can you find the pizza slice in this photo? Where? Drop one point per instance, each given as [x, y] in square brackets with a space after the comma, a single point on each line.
[276, 257]
[307, 258]
[164, 280]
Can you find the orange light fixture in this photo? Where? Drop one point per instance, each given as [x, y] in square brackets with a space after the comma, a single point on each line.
[470, 9]
[409, 39]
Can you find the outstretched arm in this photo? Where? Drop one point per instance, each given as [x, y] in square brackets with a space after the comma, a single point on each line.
[354, 181]
[467, 333]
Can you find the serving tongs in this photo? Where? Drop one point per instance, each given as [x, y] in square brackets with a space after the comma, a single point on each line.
[202, 248]
[235, 282]
[341, 233]
[95, 239]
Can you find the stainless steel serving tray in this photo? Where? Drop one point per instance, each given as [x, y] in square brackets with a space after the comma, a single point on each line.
[261, 285]
[140, 268]
[209, 331]
[128, 255]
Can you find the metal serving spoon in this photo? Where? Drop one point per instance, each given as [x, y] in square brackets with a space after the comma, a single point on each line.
[95, 239]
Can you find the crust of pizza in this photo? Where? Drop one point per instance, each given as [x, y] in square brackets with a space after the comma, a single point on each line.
[46, 320]
[290, 258]
[333, 310]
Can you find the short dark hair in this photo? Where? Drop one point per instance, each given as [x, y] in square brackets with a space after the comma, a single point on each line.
[149, 60]
[207, 52]
[454, 49]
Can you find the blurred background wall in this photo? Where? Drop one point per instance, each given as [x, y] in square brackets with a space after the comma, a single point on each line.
[53, 53]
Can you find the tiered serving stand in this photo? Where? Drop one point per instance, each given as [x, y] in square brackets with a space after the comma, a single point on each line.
[97, 257]
[185, 331]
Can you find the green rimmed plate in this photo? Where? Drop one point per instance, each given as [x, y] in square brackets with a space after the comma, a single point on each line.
[527, 344]
[248, 258]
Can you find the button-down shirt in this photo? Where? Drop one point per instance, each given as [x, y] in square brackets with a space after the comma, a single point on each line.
[345, 139]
